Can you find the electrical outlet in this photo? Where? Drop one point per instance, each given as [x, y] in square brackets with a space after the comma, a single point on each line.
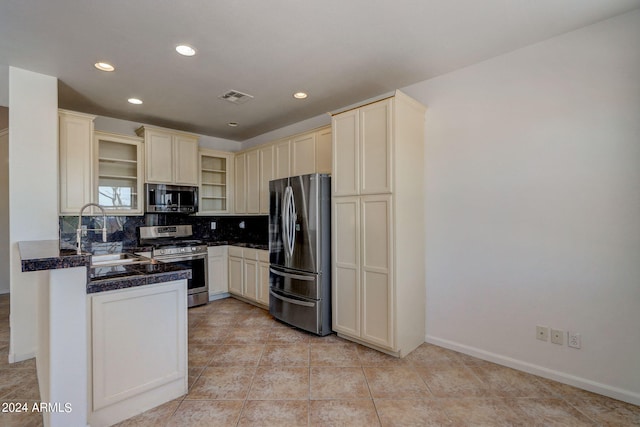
[213, 225]
[557, 336]
[574, 340]
[542, 333]
[241, 224]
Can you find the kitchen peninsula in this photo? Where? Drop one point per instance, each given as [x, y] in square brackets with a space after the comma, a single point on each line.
[132, 323]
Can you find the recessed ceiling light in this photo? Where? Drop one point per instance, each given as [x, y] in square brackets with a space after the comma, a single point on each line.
[233, 124]
[135, 101]
[300, 95]
[185, 50]
[104, 66]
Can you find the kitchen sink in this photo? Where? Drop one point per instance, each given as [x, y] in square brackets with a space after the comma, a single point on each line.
[117, 259]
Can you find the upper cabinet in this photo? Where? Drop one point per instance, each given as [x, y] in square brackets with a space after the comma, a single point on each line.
[171, 157]
[362, 161]
[297, 155]
[98, 167]
[118, 167]
[282, 159]
[303, 159]
[76, 153]
[216, 172]
[323, 150]
[266, 175]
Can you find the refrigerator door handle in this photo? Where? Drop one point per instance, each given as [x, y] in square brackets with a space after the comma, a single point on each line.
[292, 276]
[291, 300]
[288, 221]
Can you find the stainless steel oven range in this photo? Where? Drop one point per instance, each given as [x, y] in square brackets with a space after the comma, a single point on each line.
[174, 244]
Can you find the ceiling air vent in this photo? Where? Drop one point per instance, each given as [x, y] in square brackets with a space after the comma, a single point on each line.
[236, 97]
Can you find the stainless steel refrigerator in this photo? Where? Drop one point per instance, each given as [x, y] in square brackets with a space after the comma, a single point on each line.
[300, 251]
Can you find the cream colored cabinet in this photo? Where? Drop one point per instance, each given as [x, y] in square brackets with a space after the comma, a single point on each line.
[303, 154]
[311, 152]
[263, 277]
[138, 349]
[246, 274]
[323, 150]
[378, 287]
[250, 272]
[236, 276]
[253, 181]
[362, 162]
[171, 157]
[75, 141]
[217, 263]
[298, 155]
[266, 175]
[240, 183]
[282, 159]
[118, 168]
[216, 172]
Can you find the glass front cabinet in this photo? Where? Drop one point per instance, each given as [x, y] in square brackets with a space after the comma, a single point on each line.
[215, 186]
[118, 170]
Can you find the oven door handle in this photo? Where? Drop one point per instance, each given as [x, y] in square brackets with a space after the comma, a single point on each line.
[171, 259]
[291, 300]
[292, 276]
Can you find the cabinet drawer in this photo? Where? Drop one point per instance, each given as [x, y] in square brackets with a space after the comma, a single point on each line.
[250, 254]
[235, 251]
[216, 250]
[263, 256]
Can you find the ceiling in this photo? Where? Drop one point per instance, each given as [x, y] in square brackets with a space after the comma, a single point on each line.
[338, 51]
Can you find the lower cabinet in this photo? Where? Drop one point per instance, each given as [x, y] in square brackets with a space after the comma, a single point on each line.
[138, 348]
[249, 274]
[218, 271]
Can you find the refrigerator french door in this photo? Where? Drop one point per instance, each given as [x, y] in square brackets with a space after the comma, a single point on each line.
[300, 251]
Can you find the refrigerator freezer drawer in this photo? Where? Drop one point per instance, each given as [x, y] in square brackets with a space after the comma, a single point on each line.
[305, 285]
[303, 313]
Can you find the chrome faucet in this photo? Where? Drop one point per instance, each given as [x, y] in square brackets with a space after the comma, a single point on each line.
[79, 231]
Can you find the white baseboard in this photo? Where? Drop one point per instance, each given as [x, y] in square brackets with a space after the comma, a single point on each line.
[583, 383]
[215, 297]
[13, 358]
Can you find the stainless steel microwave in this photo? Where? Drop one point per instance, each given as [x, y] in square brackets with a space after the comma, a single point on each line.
[171, 198]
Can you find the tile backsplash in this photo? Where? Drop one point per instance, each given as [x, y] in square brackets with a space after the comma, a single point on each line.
[122, 230]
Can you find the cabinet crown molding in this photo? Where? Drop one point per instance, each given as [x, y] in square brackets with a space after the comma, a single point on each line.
[141, 129]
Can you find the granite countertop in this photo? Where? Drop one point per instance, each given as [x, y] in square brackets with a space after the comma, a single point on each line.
[112, 277]
[43, 255]
[241, 244]
[39, 255]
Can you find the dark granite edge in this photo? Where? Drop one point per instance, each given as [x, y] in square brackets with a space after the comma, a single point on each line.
[104, 285]
[56, 263]
[40, 255]
[240, 244]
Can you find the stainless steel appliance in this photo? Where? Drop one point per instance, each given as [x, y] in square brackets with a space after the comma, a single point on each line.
[300, 252]
[171, 198]
[174, 244]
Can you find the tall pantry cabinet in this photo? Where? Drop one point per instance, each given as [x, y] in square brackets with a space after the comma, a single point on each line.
[378, 285]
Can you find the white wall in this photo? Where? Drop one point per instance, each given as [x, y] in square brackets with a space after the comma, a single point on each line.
[533, 206]
[33, 192]
[4, 204]
[125, 127]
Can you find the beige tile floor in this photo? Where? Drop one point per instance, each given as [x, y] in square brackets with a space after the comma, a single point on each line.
[246, 369]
